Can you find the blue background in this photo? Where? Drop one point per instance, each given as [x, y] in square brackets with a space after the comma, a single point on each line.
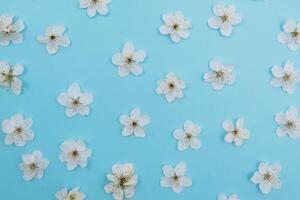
[217, 167]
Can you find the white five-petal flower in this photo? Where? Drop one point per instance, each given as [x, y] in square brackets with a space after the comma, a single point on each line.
[188, 137]
[94, 6]
[231, 197]
[134, 124]
[267, 177]
[289, 123]
[220, 75]
[236, 134]
[9, 77]
[129, 60]
[225, 18]
[176, 26]
[75, 101]
[33, 165]
[171, 87]
[285, 77]
[74, 153]
[18, 130]
[73, 194]
[290, 35]
[9, 31]
[54, 38]
[123, 181]
[175, 178]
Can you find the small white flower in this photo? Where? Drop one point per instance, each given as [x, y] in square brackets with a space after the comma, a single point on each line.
[9, 31]
[73, 194]
[33, 165]
[236, 134]
[18, 130]
[94, 6]
[74, 153]
[188, 137]
[75, 101]
[285, 77]
[176, 26]
[175, 178]
[171, 87]
[231, 197]
[123, 181]
[225, 18]
[9, 77]
[220, 75]
[129, 60]
[267, 177]
[54, 38]
[289, 123]
[291, 35]
[134, 124]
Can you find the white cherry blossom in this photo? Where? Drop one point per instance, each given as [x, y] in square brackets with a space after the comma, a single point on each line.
[290, 35]
[128, 61]
[33, 165]
[123, 181]
[176, 26]
[221, 74]
[74, 153]
[230, 197]
[188, 137]
[134, 124]
[289, 123]
[236, 134]
[75, 101]
[9, 77]
[18, 130]
[171, 87]
[267, 177]
[175, 178]
[94, 6]
[54, 38]
[73, 194]
[286, 77]
[225, 18]
[9, 31]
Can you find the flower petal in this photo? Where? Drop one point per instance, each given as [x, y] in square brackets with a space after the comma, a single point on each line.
[228, 126]
[74, 91]
[168, 171]
[226, 29]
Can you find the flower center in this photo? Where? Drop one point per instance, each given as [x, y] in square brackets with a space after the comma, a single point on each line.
[95, 1]
[188, 136]
[236, 132]
[175, 27]
[175, 178]
[75, 153]
[9, 77]
[224, 18]
[267, 177]
[122, 182]
[8, 30]
[129, 60]
[72, 197]
[75, 102]
[220, 74]
[295, 34]
[52, 37]
[171, 86]
[287, 77]
[134, 124]
[33, 166]
[290, 124]
[18, 130]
